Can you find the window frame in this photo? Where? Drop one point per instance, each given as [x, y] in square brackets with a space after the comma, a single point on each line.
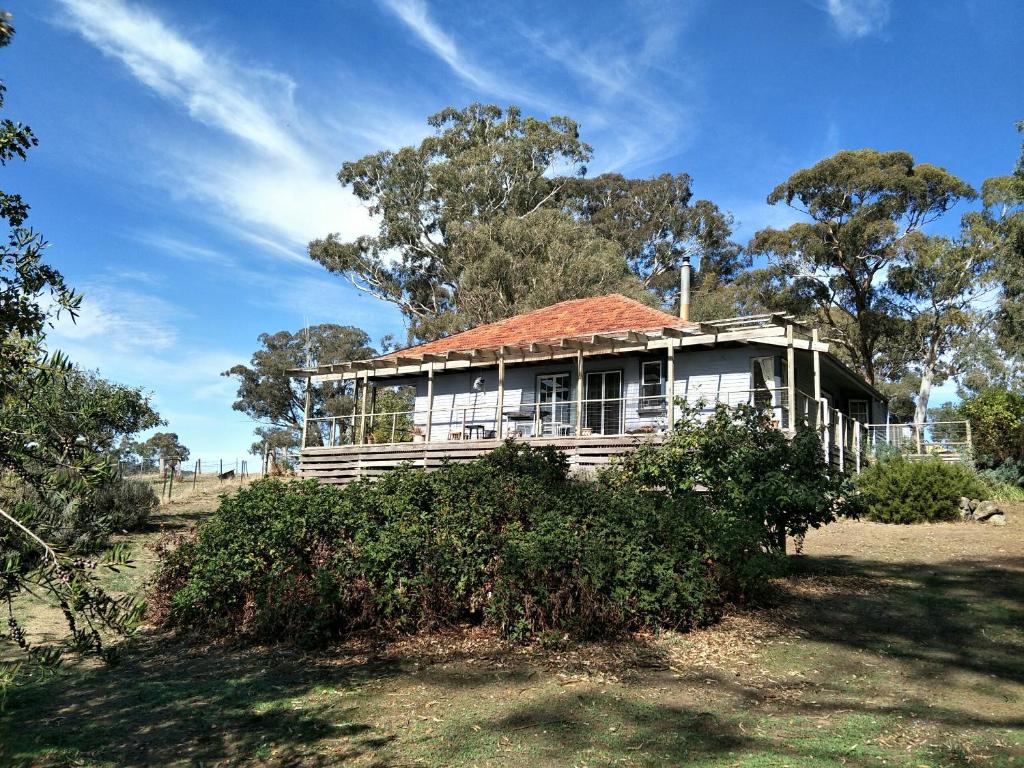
[652, 403]
[867, 409]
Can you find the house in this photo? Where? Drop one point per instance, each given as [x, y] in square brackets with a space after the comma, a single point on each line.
[594, 377]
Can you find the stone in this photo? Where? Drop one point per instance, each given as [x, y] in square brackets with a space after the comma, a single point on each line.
[965, 503]
[974, 504]
[997, 519]
[987, 509]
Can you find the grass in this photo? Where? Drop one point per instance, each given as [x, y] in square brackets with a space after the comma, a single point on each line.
[899, 647]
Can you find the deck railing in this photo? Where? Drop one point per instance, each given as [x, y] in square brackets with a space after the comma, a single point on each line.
[847, 444]
[535, 419]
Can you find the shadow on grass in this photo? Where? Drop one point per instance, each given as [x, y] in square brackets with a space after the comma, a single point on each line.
[180, 705]
[962, 616]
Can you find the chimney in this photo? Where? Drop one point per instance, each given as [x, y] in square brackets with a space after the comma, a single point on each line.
[684, 288]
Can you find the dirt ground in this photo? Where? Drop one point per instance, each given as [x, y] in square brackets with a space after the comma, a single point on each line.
[888, 645]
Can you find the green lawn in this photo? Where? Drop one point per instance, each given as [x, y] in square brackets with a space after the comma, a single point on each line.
[888, 646]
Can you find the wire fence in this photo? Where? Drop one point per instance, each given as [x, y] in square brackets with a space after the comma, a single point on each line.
[174, 476]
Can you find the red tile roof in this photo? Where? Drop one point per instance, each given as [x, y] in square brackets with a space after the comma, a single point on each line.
[573, 318]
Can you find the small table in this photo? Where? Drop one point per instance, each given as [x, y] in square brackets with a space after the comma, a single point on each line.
[474, 429]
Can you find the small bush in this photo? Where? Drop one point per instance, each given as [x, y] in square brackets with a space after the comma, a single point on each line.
[85, 524]
[508, 540]
[124, 505]
[901, 490]
[745, 467]
[1010, 472]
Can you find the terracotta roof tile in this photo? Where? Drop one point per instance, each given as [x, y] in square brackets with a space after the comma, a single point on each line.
[573, 318]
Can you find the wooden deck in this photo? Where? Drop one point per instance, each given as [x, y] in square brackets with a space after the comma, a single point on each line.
[345, 463]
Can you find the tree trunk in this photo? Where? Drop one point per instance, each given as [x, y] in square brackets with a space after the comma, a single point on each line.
[927, 377]
[921, 411]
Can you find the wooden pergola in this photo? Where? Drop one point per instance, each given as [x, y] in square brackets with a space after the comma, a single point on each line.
[774, 329]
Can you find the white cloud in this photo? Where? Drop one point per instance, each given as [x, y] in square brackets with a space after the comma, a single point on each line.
[119, 321]
[612, 89]
[858, 18]
[272, 179]
[415, 15]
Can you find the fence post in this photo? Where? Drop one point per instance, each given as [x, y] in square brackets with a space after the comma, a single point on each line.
[220, 475]
[170, 488]
[970, 443]
[163, 484]
[195, 474]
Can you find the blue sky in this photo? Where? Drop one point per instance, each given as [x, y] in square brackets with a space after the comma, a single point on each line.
[188, 148]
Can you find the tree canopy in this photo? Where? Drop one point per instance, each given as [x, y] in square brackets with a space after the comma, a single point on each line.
[266, 392]
[44, 465]
[862, 206]
[493, 215]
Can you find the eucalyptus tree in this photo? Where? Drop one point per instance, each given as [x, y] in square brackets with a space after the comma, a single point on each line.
[266, 393]
[1002, 223]
[655, 223]
[941, 284]
[482, 164]
[861, 206]
[493, 215]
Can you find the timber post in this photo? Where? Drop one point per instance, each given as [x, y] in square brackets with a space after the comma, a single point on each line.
[306, 409]
[499, 427]
[430, 402]
[362, 413]
[579, 392]
[671, 386]
[790, 379]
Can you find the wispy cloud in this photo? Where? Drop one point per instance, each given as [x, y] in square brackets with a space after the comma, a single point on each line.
[268, 176]
[611, 91]
[417, 18]
[858, 18]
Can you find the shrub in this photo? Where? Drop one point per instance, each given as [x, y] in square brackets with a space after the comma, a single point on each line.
[1010, 472]
[900, 490]
[508, 540]
[124, 505]
[997, 425]
[85, 524]
[745, 467]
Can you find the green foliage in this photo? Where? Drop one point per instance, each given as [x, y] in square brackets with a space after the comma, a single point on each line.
[1009, 472]
[901, 490]
[516, 265]
[997, 425]
[38, 447]
[267, 393]
[162, 445]
[476, 224]
[81, 524]
[861, 204]
[124, 505]
[508, 540]
[744, 466]
[654, 224]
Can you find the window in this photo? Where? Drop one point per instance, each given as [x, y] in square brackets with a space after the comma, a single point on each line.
[652, 386]
[604, 409]
[555, 409]
[859, 410]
